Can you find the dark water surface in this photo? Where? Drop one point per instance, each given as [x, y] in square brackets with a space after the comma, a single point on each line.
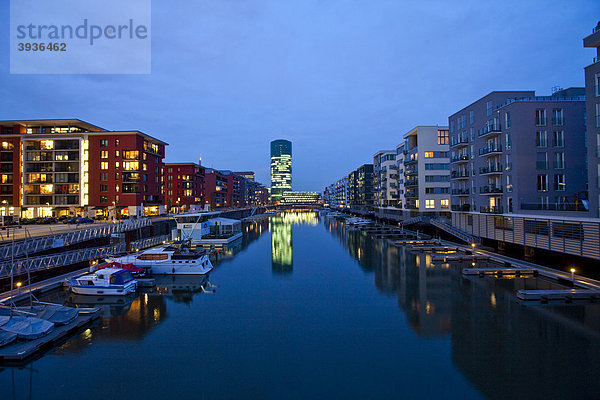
[308, 309]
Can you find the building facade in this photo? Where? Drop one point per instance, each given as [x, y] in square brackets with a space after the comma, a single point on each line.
[70, 167]
[184, 187]
[426, 170]
[281, 168]
[385, 178]
[592, 96]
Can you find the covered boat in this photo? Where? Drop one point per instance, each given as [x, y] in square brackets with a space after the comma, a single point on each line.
[27, 327]
[107, 282]
[55, 313]
[128, 267]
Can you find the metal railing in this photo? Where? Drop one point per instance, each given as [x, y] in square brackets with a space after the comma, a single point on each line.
[491, 168]
[490, 149]
[37, 244]
[34, 264]
[555, 206]
[459, 233]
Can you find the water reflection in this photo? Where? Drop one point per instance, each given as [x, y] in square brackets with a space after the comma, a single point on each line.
[507, 350]
[281, 228]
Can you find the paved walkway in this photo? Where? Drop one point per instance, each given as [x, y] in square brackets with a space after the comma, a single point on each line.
[23, 292]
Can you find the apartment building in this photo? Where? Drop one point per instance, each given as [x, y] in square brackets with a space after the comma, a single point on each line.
[519, 171]
[385, 178]
[360, 186]
[426, 170]
[184, 187]
[71, 167]
[592, 95]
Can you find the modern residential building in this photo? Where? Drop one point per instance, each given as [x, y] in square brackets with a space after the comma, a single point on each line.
[184, 187]
[215, 188]
[385, 178]
[400, 158]
[360, 186]
[281, 168]
[592, 96]
[426, 170]
[71, 167]
[519, 172]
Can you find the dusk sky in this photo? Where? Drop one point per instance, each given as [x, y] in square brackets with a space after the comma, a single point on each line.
[340, 79]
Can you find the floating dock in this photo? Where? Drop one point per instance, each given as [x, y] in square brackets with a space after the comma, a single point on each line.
[23, 351]
[459, 257]
[500, 271]
[564, 294]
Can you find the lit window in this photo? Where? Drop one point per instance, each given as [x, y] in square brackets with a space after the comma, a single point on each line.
[104, 154]
[429, 154]
[104, 165]
[131, 165]
[445, 203]
[116, 164]
[47, 144]
[429, 203]
[46, 189]
[117, 153]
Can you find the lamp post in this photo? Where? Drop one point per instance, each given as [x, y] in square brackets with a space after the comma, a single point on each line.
[573, 275]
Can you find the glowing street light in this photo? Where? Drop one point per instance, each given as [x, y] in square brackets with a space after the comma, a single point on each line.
[573, 275]
[19, 287]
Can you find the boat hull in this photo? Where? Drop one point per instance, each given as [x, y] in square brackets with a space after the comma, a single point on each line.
[102, 290]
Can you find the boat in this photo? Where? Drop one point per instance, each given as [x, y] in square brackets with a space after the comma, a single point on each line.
[23, 327]
[107, 282]
[169, 260]
[55, 313]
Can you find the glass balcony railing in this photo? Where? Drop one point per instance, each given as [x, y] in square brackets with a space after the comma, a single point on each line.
[491, 169]
[461, 207]
[490, 189]
[459, 158]
[490, 150]
[490, 129]
[555, 207]
[491, 210]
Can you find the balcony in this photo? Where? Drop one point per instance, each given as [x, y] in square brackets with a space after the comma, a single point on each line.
[460, 192]
[461, 207]
[460, 175]
[554, 207]
[491, 169]
[490, 130]
[411, 182]
[459, 141]
[460, 158]
[409, 161]
[490, 190]
[411, 172]
[491, 210]
[490, 150]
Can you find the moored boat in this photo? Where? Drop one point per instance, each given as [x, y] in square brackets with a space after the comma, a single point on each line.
[107, 282]
[169, 260]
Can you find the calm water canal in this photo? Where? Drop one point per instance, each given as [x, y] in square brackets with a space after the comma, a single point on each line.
[306, 308]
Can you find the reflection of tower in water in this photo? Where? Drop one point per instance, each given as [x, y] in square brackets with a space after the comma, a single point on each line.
[282, 260]
[280, 226]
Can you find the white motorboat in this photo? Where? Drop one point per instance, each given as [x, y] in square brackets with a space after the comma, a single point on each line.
[107, 282]
[169, 260]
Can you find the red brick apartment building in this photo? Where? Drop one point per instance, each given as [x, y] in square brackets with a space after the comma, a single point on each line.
[71, 167]
[184, 187]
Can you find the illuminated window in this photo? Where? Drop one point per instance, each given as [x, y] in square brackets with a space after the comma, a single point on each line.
[104, 154]
[7, 146]
[116, 188]
[46, 189]
[103, 199]
[131, 165]
[104, 165]
[443, 137]
[116, 164]
[117, 153]
[116, 142]
[445, 203]
[429, 154]
[429, 203]
[131, 154]
[47, 144]
[145, 167]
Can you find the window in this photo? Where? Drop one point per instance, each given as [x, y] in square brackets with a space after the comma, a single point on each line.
[541, 139]
[507, 119]
[542, 183]
[117, 164]
[117, 153]
[104, 154]
[104, 143]
[559, 182]
[131, 154]
[131, 165]
[567, 231]
[103, 199]
[540, 117]
[443, 137]
[535, 227]
[116, 142]
[508, 141]
[117, 188]
[104, 188]
[557, 117]
[509, 186]
[471, 117]
[104, 165]
[445, 203]
[472, 132]
[429, 203]
[488, 108]
[559, 139]
[541, 161]
[116, 176]
[559, 160]
[429, 190]
[429, 154]
[104, 176]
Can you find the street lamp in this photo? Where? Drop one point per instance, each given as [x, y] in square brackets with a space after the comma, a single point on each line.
[19, 287]
[573, 275]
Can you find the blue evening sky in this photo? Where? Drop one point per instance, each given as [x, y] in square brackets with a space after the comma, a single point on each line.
[340, 79]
